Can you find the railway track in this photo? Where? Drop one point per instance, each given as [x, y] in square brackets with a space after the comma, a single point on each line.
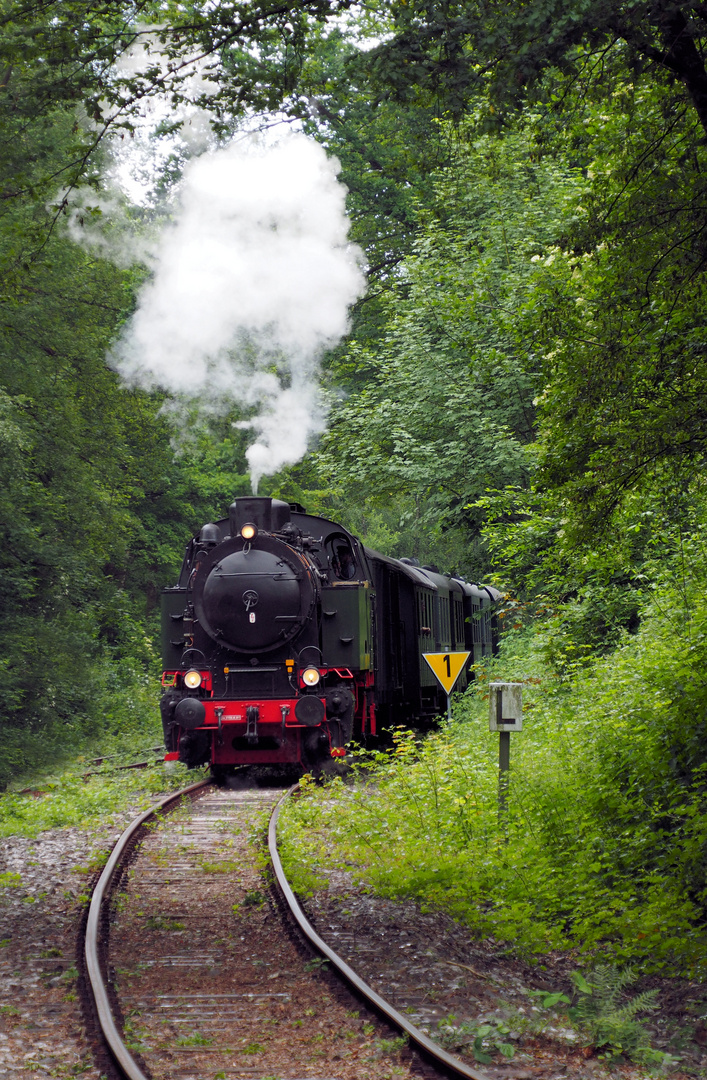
[192, 973]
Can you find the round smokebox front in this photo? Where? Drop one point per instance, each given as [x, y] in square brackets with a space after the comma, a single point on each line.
[252, 600]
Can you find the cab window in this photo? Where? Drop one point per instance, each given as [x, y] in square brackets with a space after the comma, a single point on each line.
[341, 559]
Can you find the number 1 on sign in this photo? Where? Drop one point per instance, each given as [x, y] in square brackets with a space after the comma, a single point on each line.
[445, 660]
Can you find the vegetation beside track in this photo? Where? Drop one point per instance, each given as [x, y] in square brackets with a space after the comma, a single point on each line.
[85, 789]
[602, 847]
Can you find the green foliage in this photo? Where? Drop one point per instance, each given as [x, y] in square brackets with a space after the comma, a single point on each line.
[117, 706]
[609, 1019]
[484, 1040]
[454, 50]
[94, 511]
[446, 405]
[294, 830]
[253, 1048]
[196, 1039]
[318, 963]
[388, 155]
[254, 898]
[73, 57]
[624, 399]
[81, 794]
[602, 845]
[163, 922]
[613, 309]
[78, 456]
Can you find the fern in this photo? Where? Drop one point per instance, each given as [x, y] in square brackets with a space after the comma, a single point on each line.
[609, 1018]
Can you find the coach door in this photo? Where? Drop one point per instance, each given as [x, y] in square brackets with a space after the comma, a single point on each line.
[425, 633]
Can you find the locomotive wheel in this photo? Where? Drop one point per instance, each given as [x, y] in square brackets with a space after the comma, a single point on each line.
[219, 774]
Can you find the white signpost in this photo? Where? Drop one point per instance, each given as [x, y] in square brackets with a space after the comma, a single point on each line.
[505, 716]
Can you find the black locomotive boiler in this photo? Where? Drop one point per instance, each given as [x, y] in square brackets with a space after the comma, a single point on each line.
[285, 638]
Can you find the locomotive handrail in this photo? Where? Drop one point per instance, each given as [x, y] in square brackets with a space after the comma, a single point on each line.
[91, 951]
[431, 1048]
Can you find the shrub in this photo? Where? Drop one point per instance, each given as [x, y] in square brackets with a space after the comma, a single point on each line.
[603, 844]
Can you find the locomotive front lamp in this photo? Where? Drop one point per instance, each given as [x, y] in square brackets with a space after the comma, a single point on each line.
[192, 679]
[249, 531]
[310, 676]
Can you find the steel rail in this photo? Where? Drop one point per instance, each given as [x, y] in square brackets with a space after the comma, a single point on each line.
[118, 1049]
[431, 1049]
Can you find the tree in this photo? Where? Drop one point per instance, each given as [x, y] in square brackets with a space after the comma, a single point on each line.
[108, 58]
[456, 48]
[446, 409]
[619, 307]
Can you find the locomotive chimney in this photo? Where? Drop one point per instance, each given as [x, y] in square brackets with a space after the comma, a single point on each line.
[269, 515]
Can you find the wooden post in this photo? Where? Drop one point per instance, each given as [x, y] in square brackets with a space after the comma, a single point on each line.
[504, 764]
[505, 716]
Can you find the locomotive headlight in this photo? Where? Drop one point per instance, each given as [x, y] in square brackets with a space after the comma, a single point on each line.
[310, 676]
[192, 679]
[249, 531]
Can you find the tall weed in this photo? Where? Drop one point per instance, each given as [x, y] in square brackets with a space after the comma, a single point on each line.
[116, 711]
[51, 776]
[603, 846]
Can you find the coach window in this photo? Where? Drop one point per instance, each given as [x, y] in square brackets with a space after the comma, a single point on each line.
[476, 623]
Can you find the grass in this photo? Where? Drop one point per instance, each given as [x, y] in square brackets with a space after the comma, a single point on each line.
[194, 1040]
[163, 922]
[253, 1048]
[79, 793]
[601, 849]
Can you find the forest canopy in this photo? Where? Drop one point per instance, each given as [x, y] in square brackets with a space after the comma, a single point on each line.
[523, 391]
[520, 397]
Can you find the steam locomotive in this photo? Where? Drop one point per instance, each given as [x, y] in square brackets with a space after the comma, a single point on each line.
[286, 638]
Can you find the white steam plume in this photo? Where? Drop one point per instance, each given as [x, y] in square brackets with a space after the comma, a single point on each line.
[252, 281]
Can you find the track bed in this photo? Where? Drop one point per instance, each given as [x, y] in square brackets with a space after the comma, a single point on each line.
[208, 978]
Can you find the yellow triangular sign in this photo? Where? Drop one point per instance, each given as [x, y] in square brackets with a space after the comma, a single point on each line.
[446, 667]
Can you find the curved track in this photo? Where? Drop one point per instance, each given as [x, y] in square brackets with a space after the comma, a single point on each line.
[96, 941]
[431, 1049]
[94, 934]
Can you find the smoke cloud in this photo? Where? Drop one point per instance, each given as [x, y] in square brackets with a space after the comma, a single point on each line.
[251, 277]
[251, 282]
